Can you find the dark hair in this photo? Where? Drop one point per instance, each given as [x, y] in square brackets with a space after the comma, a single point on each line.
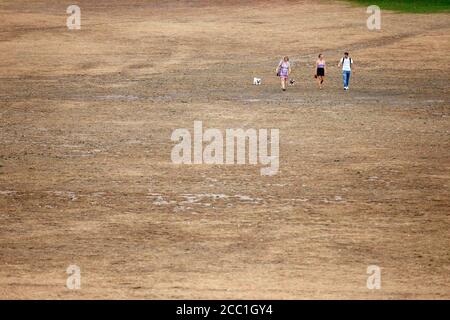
[345, 53]
[320, 55]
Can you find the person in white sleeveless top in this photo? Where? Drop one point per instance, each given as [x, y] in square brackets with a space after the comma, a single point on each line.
[347, 64]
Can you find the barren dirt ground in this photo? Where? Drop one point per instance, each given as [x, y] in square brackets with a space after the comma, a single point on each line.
[86, 177]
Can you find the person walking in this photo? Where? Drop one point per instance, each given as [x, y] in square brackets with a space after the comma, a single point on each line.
[283, 70]
[320, 69]
[347, 64]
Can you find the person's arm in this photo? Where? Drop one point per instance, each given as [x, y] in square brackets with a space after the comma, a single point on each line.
[339, 64]
[352, 65]
[278, 67]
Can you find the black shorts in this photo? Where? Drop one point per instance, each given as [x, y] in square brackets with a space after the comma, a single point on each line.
[321, 72]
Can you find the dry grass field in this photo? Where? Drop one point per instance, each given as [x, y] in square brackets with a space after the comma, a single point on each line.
[86, 177]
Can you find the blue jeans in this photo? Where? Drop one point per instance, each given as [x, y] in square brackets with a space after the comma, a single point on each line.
[346, 77]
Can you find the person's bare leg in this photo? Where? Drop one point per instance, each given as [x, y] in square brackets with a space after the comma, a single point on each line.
[318, 81]
[283, 84]
[321, 82]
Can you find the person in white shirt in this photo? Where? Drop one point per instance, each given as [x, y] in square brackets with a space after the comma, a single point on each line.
[347, 64]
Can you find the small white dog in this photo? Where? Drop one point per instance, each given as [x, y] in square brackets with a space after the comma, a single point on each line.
[256, 81]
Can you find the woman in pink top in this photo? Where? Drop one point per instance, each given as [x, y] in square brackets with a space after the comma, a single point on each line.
[320, 70]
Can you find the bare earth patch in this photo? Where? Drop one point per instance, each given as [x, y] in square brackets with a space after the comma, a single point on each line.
[86, 176]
